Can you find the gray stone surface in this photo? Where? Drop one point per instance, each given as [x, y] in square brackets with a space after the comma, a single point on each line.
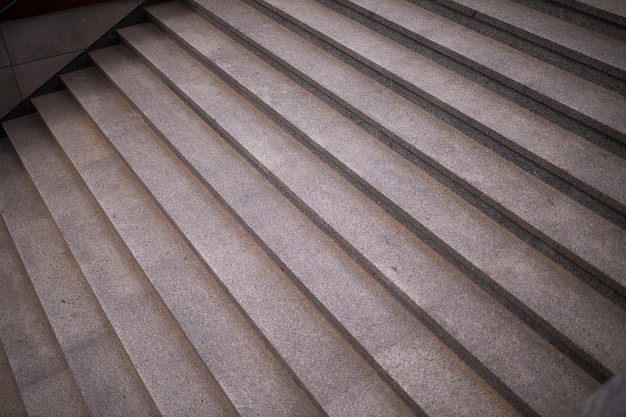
[592, 48]
[256, 383]
[581, 99]
[374, 319]
[11, 94]
[314, 350]
[174, 375]
[218, 262]
[533, 282]
[46, 383]
[29, 351]
[614, 10]
[595, 243]
[454, 303]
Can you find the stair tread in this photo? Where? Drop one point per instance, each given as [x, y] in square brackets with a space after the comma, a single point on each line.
[594, 170]
[174, 375]
[93, 352]
[572, 95]
[403, 258]
[486, 173]
[374, 319]
[45, 383]
[334, 374]
[543, 142]
[590, 47]
[478, 240]
[251, 376]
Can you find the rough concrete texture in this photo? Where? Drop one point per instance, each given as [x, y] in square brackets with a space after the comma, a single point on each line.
[95, 356]
[614, 10]
[583, 44]
[387, 246]
[197, 226]
[535, 283]
[174, 375]
[594, 243]
[588, 167]
[253, 379]
[567, 93]
[32, 359]
[314, 350]
[381, 326]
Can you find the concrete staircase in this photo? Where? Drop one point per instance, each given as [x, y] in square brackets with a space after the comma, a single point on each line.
[342, 208]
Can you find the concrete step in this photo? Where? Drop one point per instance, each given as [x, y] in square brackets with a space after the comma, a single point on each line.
[263, 208]
[93, 352]
[563, 154]
[445, 88]
[379, 327]
[254, 380]
[384, 246]
[174, 375]
[464, 161]
[575, 97]
[320, 359]
[37, 364]
[587, 46]
[367, 160]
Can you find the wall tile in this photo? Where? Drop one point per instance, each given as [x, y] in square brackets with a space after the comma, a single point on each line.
[52, 34]
[11, 96]
[4, 55]
[32, 75]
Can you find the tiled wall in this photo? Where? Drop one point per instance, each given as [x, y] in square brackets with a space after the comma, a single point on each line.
[33, 49]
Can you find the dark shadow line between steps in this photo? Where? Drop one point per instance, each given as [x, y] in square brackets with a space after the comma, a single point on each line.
[607, 25]
[501, 218]
[529, 99]
[502, 149]
[529, 47]
[543, 329]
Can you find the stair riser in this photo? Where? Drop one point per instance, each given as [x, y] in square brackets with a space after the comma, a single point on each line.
[135, 38]
[372, 191]
[583, 14]
[482, 278]
[524, 95]
[506, 31]
[526, 223]
[220, 325]
[546, 54]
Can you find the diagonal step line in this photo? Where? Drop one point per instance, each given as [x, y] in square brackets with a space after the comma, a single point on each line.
[246, 391]
[590, 47]
[555, 87]
[473, 176]
[309, 263]
[337, 366]
[93, 351]
[135, 310]
[308, 117]
[33, 350]
[188, 84]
